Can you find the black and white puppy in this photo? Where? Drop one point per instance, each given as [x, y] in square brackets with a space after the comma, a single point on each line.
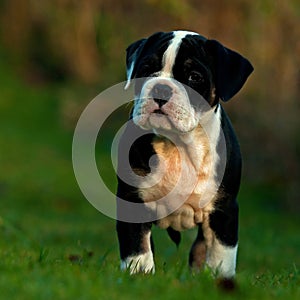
[178, 70]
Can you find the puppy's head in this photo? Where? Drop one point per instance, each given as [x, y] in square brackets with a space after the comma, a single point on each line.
[178, 71]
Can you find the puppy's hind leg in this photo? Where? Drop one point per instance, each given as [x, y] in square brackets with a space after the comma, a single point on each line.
[197, 255]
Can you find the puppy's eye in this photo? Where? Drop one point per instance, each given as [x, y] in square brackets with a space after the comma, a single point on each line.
[196, 77]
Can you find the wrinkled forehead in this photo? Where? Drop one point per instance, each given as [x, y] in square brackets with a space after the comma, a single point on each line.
[166, 46]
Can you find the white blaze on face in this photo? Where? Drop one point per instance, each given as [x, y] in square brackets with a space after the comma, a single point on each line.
[171, 52]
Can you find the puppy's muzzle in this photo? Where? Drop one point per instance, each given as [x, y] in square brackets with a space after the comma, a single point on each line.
[161, 93]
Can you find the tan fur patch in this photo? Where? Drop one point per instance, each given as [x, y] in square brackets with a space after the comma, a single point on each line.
[196, 167]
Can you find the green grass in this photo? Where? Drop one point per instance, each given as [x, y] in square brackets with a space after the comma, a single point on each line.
[55, 245]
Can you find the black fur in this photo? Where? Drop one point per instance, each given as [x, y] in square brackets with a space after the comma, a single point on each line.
[223, 74]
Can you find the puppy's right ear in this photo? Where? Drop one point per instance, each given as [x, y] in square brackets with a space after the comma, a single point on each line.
[132, 53]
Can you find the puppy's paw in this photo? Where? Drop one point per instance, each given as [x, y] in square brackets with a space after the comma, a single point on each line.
[140, 263]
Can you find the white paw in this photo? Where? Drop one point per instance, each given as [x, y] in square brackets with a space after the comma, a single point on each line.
[222, 260]
[141, 263]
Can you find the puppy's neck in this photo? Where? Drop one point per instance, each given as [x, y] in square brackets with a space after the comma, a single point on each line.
[201, 142]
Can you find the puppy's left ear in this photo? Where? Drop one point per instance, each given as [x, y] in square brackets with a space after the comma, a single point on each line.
[231, 69]
[132, 53]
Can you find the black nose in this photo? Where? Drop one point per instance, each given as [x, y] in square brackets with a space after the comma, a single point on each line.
[161, 93]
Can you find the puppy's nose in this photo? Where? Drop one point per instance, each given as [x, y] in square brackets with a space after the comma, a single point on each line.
[161, 93]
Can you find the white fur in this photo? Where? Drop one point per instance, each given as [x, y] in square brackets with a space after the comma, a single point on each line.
[129, 74]
[141, 263]
[172, 50]
[179, 114]
[222, 259]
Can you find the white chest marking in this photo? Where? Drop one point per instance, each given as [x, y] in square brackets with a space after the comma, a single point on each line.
[199, 168]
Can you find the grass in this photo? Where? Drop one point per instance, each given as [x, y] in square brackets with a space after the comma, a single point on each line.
[55, 245]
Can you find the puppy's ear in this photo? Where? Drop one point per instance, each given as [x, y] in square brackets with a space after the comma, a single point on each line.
[132, 53]
[231, 69]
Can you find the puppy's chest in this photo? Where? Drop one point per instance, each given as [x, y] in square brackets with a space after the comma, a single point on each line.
[182, 174]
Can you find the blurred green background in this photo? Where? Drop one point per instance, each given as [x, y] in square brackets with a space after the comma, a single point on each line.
[56, 56]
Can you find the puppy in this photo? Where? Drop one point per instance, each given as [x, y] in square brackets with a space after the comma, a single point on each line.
[186, 162]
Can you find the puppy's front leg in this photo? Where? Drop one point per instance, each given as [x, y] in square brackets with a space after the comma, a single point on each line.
[136, 247]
